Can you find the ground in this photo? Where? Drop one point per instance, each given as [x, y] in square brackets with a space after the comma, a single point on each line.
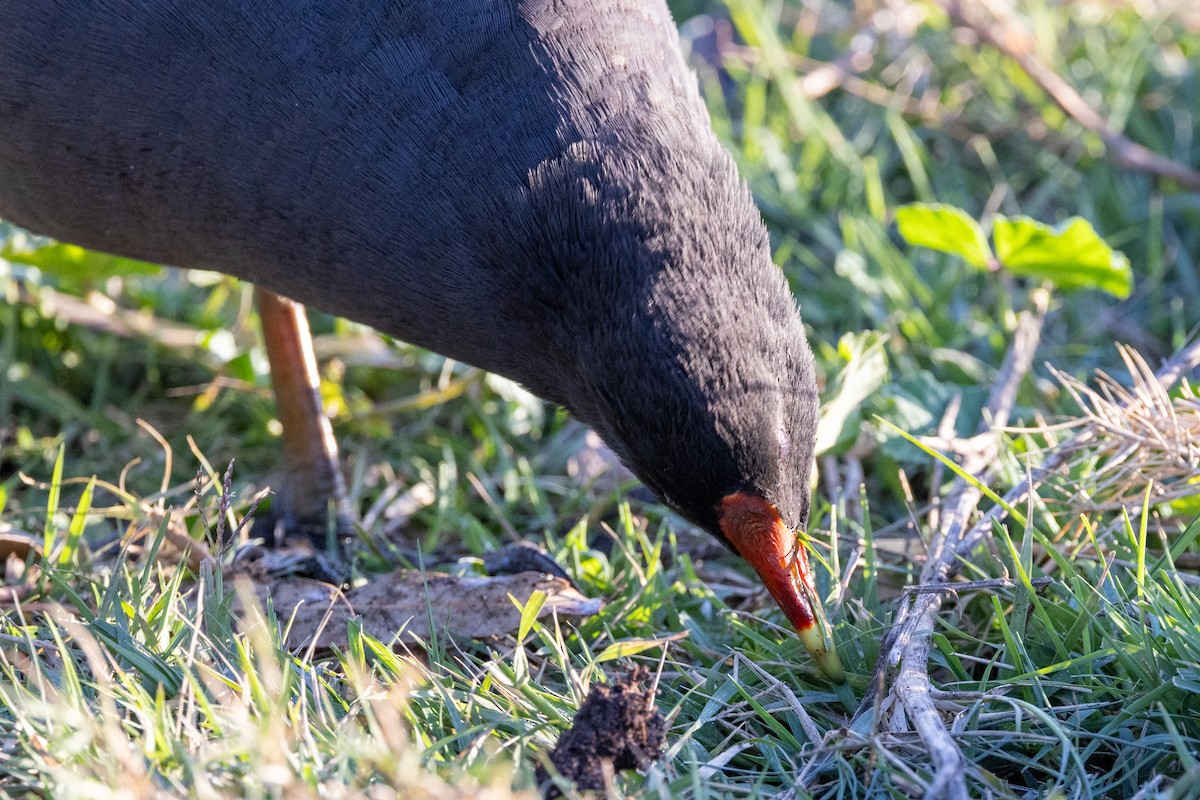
[1061, 660]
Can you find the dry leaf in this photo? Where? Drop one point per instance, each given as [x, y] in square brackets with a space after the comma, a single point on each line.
[17, 550]
[18, 544]
[470, 607]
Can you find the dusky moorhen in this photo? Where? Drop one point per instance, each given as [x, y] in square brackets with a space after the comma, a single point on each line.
[529, 186]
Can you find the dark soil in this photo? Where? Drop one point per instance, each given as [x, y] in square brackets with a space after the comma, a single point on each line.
[618, 727]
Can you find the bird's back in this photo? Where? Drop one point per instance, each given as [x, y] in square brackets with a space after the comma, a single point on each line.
[359, 156]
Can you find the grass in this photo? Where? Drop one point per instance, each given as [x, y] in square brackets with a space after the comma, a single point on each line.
[120, 676]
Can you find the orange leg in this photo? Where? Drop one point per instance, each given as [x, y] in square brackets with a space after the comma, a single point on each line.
[313, 484]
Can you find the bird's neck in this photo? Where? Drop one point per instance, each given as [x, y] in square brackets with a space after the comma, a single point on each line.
[657, 266]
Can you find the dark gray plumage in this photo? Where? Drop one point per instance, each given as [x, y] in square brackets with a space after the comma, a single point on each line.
[531, 187]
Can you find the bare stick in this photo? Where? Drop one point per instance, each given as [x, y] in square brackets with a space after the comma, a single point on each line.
[997, 27]
[911, 649]
[1180, 365]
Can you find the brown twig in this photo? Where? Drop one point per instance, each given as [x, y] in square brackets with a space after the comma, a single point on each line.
[1180, 365]
[828, 76]
[954, 587]
[997, 27]
[907, 642]
[914, 626]
[912, 686]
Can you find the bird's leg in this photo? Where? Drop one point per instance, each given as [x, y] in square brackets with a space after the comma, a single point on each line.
[312, 500]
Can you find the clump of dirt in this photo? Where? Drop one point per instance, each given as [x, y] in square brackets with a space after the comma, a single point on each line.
[618, 727]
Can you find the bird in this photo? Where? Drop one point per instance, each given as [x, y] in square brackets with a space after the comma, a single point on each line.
[532, 187]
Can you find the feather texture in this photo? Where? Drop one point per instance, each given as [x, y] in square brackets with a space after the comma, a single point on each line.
[530, 186]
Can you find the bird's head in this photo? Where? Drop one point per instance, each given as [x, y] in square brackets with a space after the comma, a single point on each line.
[676, 338]
[720, 422]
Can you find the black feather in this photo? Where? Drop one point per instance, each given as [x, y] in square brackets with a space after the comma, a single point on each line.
[531, 187]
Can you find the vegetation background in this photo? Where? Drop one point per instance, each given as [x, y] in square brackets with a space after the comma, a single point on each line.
[1067, 664]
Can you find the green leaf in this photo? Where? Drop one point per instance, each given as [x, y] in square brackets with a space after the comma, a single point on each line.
[128, 650]
[946, 229]
[917, 402]
[241, 367]
[864, 372]
[73, 263]
[78, 521]
[529, 612]
[1187, 506]
[50, 530]
[627, 647]
[1070, 256]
